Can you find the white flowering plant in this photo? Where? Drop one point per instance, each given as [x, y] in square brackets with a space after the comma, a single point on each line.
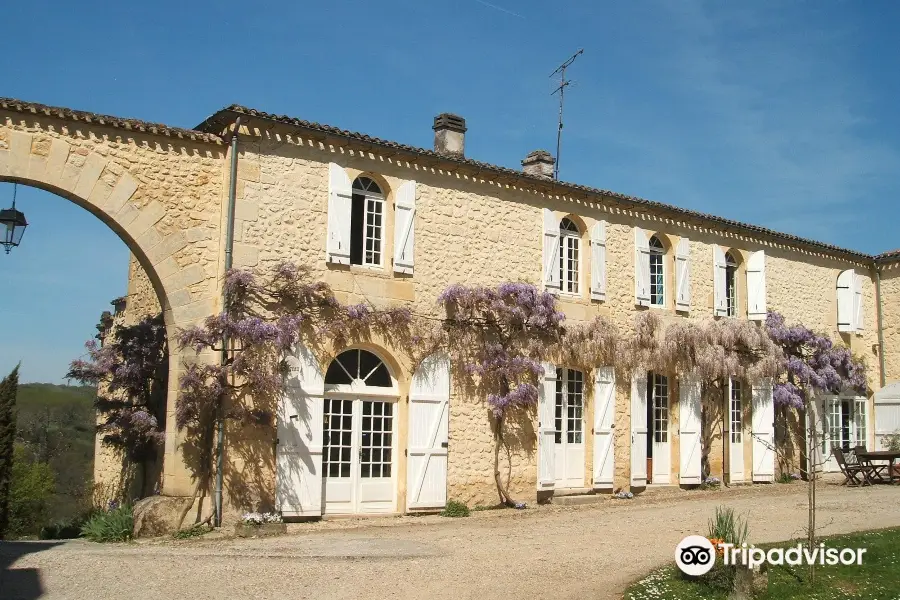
[257, 518]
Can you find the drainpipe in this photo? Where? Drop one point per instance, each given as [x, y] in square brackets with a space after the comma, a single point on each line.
[880, 323]
[229, 246]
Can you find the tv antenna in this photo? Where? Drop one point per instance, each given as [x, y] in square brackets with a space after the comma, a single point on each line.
[563, 83]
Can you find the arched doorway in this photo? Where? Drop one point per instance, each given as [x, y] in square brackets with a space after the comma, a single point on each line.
[139, 181]
[359, 441]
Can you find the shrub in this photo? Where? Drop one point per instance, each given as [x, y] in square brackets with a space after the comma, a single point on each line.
[115, 525]
[455, 509]
[29, 495]
[892, 441]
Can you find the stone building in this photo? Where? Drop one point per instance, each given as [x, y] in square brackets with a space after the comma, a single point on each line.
[390, 224]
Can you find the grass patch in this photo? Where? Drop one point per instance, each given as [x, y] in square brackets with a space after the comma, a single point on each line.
[877, 578]
[115, 525]
[455, 509]
[191, 532]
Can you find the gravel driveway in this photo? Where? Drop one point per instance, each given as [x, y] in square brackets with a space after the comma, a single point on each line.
[589, 551]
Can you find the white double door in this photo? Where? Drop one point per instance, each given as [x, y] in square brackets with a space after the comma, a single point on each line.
[569, 426]
[358, 455]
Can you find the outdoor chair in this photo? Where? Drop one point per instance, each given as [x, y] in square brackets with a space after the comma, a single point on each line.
[852, 471]
[878, 471]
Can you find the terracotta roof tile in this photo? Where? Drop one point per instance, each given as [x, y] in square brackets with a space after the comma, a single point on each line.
[117, 122]
[219, 119]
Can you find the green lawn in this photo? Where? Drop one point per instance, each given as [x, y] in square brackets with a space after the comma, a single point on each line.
[878, 578]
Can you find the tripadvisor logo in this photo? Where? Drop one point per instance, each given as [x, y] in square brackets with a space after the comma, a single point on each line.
[695, 555]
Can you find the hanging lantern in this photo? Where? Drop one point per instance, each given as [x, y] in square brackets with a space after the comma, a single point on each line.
[12, 225]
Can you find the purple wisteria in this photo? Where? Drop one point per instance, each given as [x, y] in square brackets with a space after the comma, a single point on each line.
[131, 372]
[813, 363]
[499, 335]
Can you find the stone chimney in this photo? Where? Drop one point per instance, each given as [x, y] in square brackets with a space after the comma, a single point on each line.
[450, 135]
[539, 163]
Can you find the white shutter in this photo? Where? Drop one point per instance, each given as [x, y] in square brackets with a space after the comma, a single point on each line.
[551, 250]
[641, 268]
[857, 303]
[689, 430]
[547, 429]
[404, 227]
[298, 481]
[598, 261]
[763, 431]
[756, 286]
[683, 275]
[604, 422]
[340, 201]
[845, 301]
[429, 410]
[639, 430]
[720, 285]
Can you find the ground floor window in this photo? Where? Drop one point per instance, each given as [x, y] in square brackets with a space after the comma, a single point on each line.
[846, 423]
[569, 412]
[735, 404]
[658, 396]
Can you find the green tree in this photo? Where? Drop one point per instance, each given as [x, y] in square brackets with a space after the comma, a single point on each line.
[30, 494]
[8, 389]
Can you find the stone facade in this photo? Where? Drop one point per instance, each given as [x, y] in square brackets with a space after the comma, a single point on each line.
[164, 191]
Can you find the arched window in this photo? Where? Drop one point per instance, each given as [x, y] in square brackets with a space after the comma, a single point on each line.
[569, 245]
[366, 223]
[360, 367]
[730, 284]
[657, 272]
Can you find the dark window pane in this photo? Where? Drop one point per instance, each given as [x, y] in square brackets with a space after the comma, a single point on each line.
[357, 220]
[380, 377]
[386, 470]
[364, 470]
[345, 469]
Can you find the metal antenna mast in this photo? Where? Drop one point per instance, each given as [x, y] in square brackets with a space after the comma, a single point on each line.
[563, 82]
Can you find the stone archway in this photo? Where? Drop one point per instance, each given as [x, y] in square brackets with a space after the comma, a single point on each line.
[159, 189]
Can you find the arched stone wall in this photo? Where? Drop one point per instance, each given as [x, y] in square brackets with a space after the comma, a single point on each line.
[160, 189]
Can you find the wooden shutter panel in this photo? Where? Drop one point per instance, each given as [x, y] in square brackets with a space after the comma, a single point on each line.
[551, 250]
[298, 479]
[404, 227]
[429, 409]
[756, 286]
[604, 422]
[639, 430]
[641, 268]
[857, 303]
[547, 429]
[340, 201]
[845, 301]
[683, 274]
[689, 430]
[598, 261]
[763, 431]
[720, 291]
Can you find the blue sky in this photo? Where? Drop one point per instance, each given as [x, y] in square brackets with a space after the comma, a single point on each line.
[781, 114]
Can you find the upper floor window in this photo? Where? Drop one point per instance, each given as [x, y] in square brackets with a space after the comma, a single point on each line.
[730, 285]
[569, 245]
[657, 272]
[366, 223]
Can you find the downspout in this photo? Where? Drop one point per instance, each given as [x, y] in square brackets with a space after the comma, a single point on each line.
[882, 377]
[229, 246]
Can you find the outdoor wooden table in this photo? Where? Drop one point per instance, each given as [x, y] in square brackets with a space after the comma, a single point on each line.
[881, 455]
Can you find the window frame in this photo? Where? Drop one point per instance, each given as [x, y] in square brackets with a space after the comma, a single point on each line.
[735, 411]
[659, 388]
[569, 241]
[731, 291]
[569, 412]
[659, 254]
[372, 200]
